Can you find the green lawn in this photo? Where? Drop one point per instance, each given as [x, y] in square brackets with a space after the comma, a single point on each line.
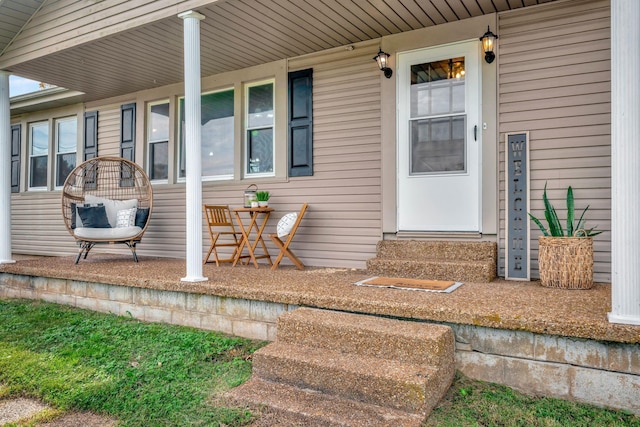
[476, 403]
[146, 374]
[143, 374]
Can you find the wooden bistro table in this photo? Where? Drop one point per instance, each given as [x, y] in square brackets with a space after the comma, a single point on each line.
[258, 222]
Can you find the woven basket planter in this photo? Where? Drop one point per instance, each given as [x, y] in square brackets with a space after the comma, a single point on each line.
[566, 262]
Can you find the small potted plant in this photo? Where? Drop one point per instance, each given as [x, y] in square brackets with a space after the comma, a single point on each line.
[565, 256]
[263, 198]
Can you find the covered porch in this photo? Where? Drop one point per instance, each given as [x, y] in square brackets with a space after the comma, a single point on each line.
[544, 341]
[81, 62]
[501, 304]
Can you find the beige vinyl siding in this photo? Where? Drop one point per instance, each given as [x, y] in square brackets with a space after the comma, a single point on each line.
[554, 82]
[346, 186]
[109, 130]
[37, 226]
[343, 223]
[342, 226]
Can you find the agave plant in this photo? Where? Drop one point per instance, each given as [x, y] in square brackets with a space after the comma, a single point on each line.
[574, 229]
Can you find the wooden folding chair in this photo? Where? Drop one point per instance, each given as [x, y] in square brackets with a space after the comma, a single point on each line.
[220, 224]
[284, 246]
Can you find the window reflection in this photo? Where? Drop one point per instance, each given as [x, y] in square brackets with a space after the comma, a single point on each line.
[438, 119]
[259, 130]
[66, 143]
[217, 138]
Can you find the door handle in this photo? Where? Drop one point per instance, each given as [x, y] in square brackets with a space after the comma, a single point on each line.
[475, 133]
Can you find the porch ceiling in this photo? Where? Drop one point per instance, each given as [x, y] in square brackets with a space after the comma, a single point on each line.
[235, 34]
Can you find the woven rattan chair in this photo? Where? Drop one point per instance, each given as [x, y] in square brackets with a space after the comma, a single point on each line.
[118, 185]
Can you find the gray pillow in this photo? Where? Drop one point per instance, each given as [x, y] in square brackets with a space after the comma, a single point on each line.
[76, 221]
[112, 206]
[93, 216]
[142, 214]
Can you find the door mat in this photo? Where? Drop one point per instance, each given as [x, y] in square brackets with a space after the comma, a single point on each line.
[410, 284]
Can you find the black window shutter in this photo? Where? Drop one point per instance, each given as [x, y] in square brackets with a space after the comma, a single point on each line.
[90, 135]
[300, 132]
[128, 131]
[16, 132]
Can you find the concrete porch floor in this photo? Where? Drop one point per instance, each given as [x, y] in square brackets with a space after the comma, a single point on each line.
[501, 304]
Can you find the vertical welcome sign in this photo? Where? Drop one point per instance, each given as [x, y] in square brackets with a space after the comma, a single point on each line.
[517, 198]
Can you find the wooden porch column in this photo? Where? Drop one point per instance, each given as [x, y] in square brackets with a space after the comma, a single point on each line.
[192, 145]
[625, 161]
[5, 170]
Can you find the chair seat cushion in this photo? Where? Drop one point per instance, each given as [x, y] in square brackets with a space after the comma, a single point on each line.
[107, 234]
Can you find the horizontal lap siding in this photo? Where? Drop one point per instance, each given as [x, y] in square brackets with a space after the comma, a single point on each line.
[554, 81]
[343, 223]
[342, 226]
[109, 130]
[345, 216]
[37, 226]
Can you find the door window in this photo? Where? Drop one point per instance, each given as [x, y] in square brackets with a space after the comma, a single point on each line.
[437, 120]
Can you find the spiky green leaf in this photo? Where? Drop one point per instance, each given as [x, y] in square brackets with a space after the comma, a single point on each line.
[553, 222]
[581, 220]
[555, 227]
[539, 224]
[570, 211]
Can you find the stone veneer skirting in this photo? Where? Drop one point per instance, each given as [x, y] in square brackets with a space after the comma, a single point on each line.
[241, 317]
[595, 372]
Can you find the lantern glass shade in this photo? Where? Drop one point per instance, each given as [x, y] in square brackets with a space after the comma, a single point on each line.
[488, 44]
[382, 58]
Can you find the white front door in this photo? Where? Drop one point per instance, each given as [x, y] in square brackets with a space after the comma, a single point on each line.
[439, 145]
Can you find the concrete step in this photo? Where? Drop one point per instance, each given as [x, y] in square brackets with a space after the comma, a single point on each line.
[408, 342]
[330, 368]
[408, 387]
[437, 250]
[303, 407]
[429, 269]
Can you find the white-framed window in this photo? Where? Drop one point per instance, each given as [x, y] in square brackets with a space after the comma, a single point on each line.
[66, 140]
[38, 155]
[259, 132]
[158, 140]
[217, 135]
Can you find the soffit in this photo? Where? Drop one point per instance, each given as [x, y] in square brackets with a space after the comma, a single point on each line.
[236, 34]
[14, 14]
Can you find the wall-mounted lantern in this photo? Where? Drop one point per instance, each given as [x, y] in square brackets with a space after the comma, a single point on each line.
[382, 58]
[488, 43]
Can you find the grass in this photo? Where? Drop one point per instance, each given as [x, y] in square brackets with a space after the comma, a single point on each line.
[476, 403]
[147, 374]
[140, 373]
